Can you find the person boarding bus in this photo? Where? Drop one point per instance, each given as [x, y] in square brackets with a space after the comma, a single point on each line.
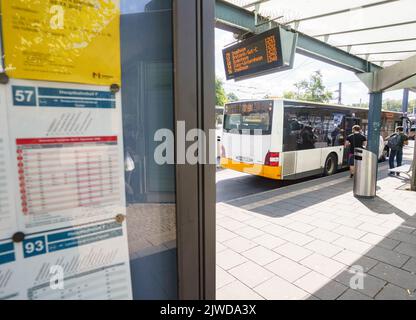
[355, 141]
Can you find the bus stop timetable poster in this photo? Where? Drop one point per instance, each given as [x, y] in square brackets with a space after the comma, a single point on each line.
[62, 186]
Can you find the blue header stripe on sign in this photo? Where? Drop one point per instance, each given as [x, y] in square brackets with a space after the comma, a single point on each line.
[75, 93]
[6, 247]
[6, 258]
[76, 103]
[84, 241]
[82, 232]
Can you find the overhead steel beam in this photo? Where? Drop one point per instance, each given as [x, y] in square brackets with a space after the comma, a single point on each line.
[235, 19]
[319, 50]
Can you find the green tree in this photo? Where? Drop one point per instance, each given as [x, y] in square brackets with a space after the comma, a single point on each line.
[221, 97]
[396, 105]
[310, 90]
[290, 95]
[412, 106]
[232, 97]
[391, 105]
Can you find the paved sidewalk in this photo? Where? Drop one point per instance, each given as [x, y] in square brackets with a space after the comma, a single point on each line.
[314, 239]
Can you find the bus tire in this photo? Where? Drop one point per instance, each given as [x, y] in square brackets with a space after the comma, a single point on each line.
[331, 165]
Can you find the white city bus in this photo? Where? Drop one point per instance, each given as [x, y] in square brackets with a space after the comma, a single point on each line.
[219, 120]
[286, 139]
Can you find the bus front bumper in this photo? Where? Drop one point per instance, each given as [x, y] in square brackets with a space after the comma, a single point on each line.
[254, 169]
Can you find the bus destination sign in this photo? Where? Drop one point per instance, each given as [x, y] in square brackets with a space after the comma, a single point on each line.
[260, 54]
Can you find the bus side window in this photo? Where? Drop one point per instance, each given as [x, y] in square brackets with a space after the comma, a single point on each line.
[291, 131]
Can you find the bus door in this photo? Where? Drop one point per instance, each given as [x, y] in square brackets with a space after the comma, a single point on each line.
[349, 123]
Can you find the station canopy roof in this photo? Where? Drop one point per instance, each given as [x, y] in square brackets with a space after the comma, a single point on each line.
[380, 31]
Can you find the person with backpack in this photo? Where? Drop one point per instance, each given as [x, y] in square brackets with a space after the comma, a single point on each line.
[354, 141]
[396, 142]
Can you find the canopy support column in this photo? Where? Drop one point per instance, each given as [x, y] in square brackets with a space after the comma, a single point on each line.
[374, 121]
[413, 179]
[405, 108]
[374, 126]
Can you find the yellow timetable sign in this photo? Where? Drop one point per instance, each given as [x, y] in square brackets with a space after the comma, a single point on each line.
[62, 40]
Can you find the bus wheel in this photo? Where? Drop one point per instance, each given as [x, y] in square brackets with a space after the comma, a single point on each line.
[331, 165]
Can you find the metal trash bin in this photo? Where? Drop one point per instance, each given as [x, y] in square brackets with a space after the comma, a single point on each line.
[365, 178]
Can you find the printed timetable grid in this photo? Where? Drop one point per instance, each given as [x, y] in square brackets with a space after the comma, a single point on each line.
[4, 201]
[57, 174]
[105, 283]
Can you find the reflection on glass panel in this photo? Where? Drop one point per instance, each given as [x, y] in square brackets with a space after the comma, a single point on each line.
[147, 82]
[74, 138]
[310, 128]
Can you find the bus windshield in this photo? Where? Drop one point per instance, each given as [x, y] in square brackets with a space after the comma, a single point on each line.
[249, 117]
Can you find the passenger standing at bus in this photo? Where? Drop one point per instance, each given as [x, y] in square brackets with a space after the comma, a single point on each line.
[355, 141]
[396, 142]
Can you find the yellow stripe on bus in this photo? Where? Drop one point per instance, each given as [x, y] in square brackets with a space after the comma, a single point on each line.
[254, 169]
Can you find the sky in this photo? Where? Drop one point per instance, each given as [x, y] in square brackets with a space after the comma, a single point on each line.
[275, 84]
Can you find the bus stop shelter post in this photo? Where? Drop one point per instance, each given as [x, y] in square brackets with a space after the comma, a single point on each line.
[374, 122]
[413, 179]
[405, 107]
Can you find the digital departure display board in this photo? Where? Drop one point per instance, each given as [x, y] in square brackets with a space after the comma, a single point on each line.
[256, 55]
